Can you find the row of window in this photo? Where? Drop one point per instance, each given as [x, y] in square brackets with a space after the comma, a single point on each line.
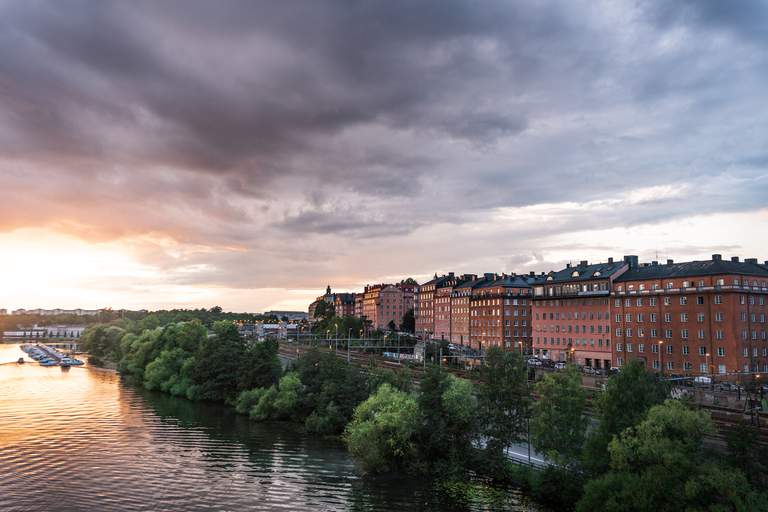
[688, 366]
[683, 300]
[591, 342]
[689, 284]
[684, 334]
[574, 315]
[574, 328]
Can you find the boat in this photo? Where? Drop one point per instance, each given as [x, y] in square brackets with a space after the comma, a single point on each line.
[48, 362]
[21, 360]
[70, 361]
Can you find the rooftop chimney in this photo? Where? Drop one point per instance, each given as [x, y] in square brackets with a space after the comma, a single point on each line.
[532, 273]
[717, 257]
[567, 265]
[631, 260]
[669, 262]
[735, 259]
[610, 260]
[751, 260]
[654, 263]
[488, 276]
[583, 263]
[450, 274]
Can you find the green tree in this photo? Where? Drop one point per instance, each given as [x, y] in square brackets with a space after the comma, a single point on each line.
[625, 401]
[504, 402]
[558, 424]
[408, 323]
[217, 361]
[447, 409]
[661, 465]
[381, 434]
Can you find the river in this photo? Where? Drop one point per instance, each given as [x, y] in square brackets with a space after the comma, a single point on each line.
[83, 440]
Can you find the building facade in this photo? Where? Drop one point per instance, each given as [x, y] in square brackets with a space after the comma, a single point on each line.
[424, 308]
[344, 304]
[460, 298]
[572, 313]
[500, 312]
[693, 318]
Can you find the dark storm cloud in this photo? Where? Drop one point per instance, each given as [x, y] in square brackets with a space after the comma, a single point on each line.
[245, 126]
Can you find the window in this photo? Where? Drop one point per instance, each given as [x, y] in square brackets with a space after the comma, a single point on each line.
[719, 334]
[640, 317]
[629, 347]
[703, 368]
[627, 302]
[683, 317]
[628, 333]
[667, 317]
[700, 300]
[640, 332]
[702, 351]
[656, 364]
[721, 369]
[639, 301]
[701, 334]
[618, 318]
[670, 365]
[655, 349]
[654, 333]
[667, 301]
[652, 301]
[685, 350]
[683, 300]
[700, 318]
[617, 302]
[669, 349]
[653, 317]
[641, 347]
[718, 299]
[628, 317]
[718, 316]
[618, 347]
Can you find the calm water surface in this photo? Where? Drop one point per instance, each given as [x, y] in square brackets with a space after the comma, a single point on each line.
[80, 439]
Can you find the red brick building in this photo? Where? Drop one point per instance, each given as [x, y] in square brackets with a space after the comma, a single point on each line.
[385, 304]
[698, 317]
[424, 305]
[460, 299]
[500, 312]
[572, 313]
[344, 303]
[443, 301]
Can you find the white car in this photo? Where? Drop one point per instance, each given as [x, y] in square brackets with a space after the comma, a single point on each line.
[534, 362]
[560, 366]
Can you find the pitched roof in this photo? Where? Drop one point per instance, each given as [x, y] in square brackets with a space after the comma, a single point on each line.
[584, 271]
[711, 267]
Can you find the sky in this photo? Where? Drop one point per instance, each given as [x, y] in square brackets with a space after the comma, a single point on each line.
[248, 153]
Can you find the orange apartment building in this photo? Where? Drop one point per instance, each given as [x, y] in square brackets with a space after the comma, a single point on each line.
[443, 306]
[344, 304]
[500, 312]
[460, 298]
[424, 305]
[692, 318]
[572, 313]
[384, 304]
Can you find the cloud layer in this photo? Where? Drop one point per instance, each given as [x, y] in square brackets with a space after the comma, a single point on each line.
[287, 144]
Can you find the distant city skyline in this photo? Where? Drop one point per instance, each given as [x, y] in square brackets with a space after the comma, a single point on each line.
[247, 154]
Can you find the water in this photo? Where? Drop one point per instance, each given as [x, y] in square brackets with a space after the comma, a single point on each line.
[80, 439]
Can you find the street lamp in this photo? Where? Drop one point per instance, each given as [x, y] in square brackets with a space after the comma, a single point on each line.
[661, 368]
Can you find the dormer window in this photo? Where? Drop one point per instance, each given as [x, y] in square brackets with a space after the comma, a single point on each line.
[549, 278]
[575, 273]
[597, 274]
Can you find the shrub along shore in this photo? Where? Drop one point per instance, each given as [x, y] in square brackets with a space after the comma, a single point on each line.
[645, 452]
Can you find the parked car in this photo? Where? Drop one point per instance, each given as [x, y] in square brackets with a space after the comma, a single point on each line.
[614, 370]
[702, 380]
[547, 363]
[560, 365]
[534, 362]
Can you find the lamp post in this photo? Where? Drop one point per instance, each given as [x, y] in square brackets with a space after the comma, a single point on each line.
[661, 368]
[349, 342]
